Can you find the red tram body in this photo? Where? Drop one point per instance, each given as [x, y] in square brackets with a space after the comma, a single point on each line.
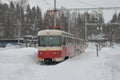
[57, 45]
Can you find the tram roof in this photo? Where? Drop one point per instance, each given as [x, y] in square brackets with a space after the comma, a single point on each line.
[56, 32]
[53, 32]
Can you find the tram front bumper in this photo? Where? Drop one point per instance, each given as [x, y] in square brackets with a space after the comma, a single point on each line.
[53, 59]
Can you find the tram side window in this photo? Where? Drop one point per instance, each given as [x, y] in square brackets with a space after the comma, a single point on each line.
[67, 38]
[64, 41]
[73, 41]
[82, 42]
[78, 42]
[70, 41]
[39, 41]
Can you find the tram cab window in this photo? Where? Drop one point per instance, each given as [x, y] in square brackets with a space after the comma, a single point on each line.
[49, 41]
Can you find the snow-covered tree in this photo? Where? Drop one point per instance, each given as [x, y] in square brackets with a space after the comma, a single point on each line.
[114, 18]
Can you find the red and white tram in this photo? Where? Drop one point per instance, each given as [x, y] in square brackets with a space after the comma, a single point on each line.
[56, 45]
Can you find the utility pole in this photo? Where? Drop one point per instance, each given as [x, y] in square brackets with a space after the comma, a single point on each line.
[69, 23]
[54, 13]
[85, 26]
[97, 49]
[56, 16]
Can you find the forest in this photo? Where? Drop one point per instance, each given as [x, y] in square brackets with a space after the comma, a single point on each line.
[18, 19]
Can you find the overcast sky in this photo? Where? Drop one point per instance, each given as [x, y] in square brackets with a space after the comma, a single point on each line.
[46, 4]
[49, 4]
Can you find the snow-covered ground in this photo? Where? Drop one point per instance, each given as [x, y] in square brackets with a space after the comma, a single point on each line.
[20, 64]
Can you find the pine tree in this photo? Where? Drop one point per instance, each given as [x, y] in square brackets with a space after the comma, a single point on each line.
[27, 20]
[39, 21]
[33, 20]
[28, 14]
[3, 20]
[118, 29]
[11, 20]
[20, 7]
[80, 26]
[64, 20]
[114, 18]
[19, 22]
[119, 17]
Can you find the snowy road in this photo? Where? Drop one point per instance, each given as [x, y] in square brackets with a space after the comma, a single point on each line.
[20, 64]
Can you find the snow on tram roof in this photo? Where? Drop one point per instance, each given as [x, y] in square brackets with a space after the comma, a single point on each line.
[53, 32]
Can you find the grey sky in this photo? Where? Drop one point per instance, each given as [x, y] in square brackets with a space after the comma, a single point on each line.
[48, 4]
[79, 4]
[75, 3]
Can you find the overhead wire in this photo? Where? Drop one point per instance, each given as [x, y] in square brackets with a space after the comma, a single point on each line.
[50, 5]
[87, 3]
[59, 3]
[47, 3]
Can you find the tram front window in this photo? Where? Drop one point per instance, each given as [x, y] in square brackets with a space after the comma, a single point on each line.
[49, 41]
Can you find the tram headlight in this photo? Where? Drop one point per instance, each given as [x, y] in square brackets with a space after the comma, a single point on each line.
[40, 52]
[55, 52]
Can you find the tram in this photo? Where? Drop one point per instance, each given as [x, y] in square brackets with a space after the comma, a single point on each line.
[57, 45]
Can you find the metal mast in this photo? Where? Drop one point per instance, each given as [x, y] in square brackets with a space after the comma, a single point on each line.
[54, 13]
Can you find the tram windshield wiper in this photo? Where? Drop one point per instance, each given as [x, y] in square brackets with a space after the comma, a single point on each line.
[50, 45]
[43, 45]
